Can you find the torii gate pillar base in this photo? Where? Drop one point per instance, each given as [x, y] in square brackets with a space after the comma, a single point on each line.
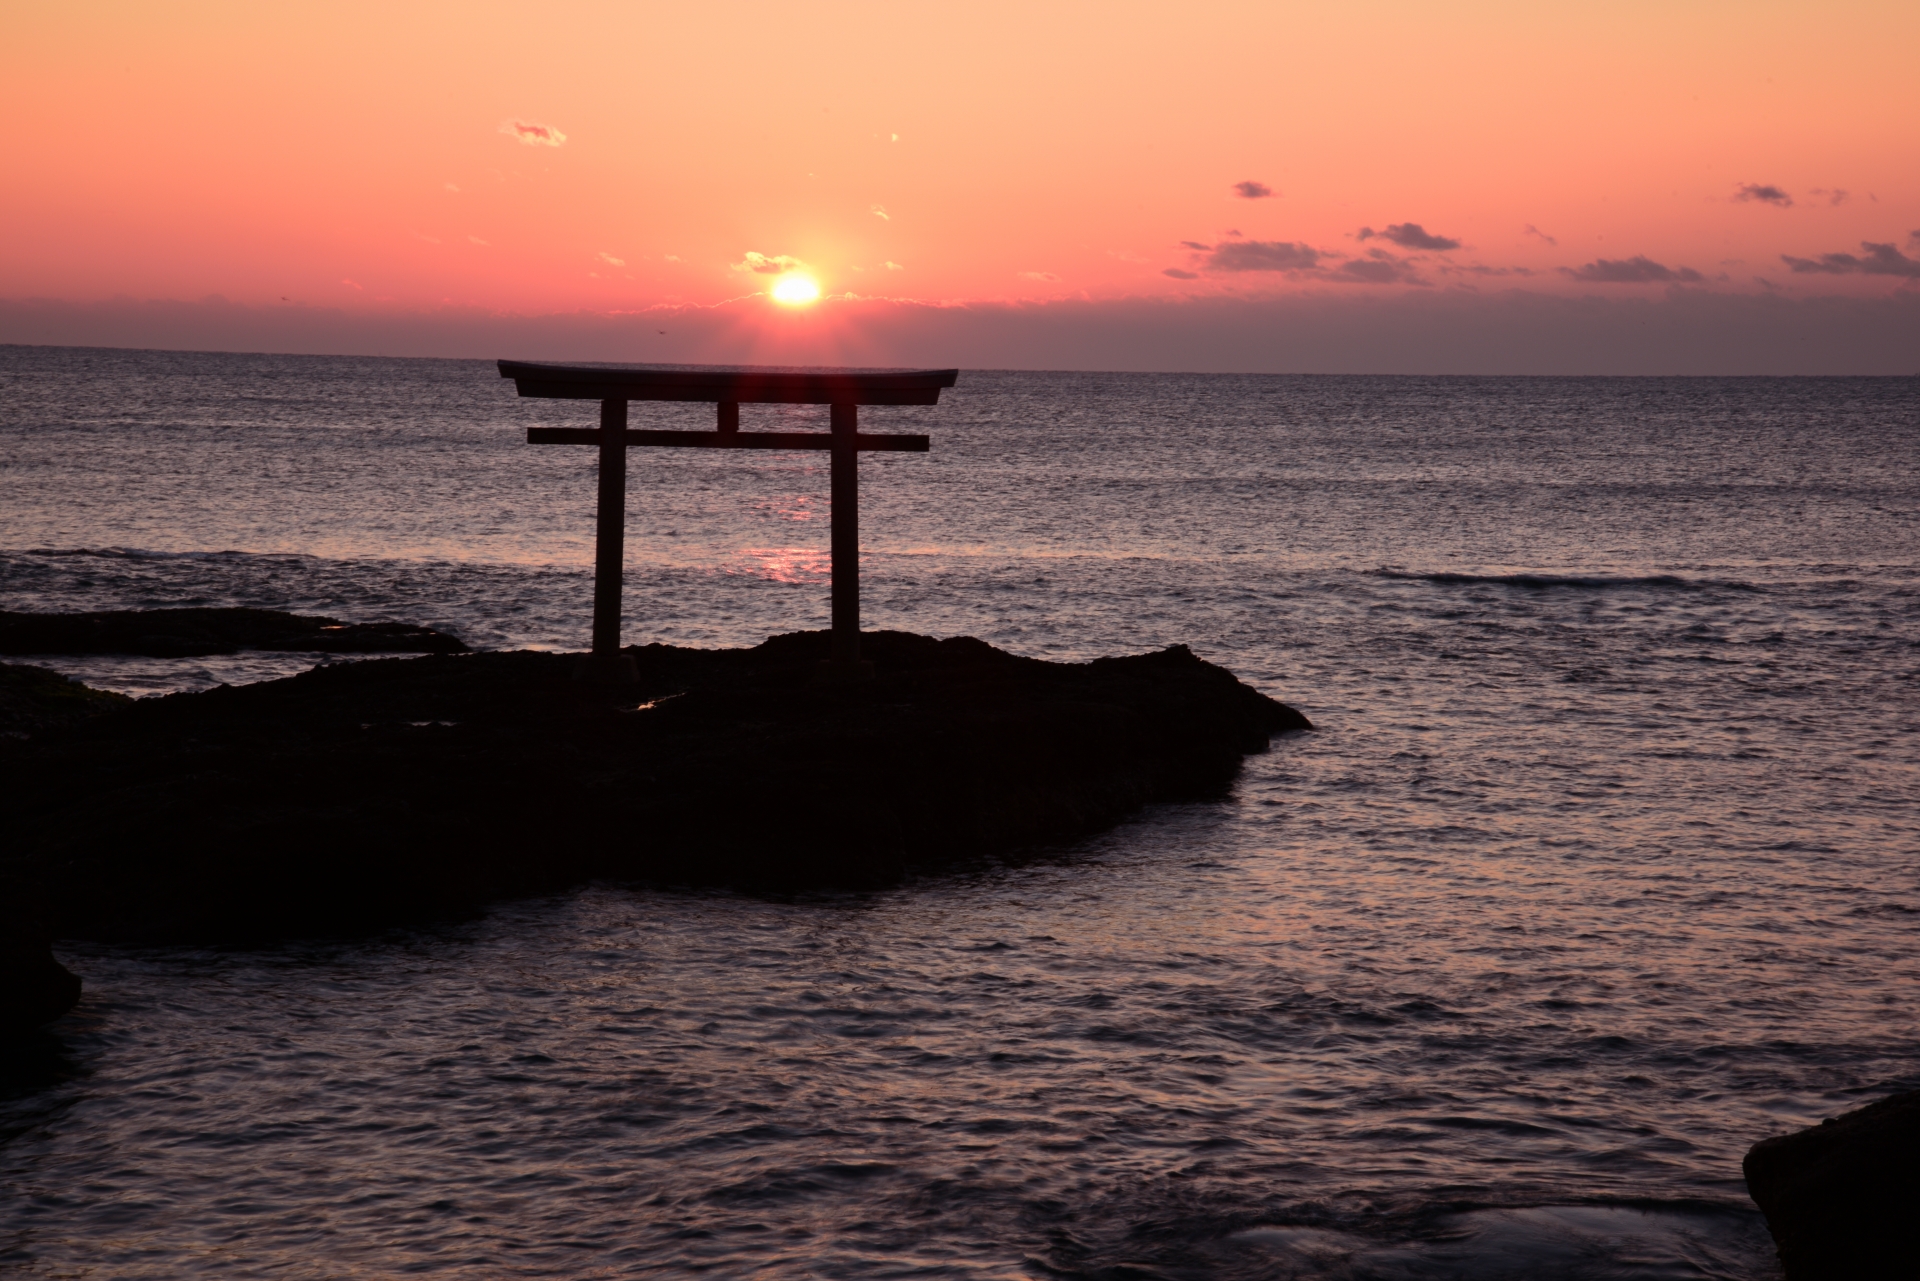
[606, 669]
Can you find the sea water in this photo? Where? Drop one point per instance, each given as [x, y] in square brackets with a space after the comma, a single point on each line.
[1602, 863]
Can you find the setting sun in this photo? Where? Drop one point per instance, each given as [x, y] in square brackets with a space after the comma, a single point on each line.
[795, 291]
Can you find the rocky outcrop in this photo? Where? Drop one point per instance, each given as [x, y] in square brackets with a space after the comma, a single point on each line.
[34, 988]
[193, 633]
[364, 793]
[1843, 1197]
[33, 699]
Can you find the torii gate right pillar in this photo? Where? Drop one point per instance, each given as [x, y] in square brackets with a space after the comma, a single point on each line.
[843, 496]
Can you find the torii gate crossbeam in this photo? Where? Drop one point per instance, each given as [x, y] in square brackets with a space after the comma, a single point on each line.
[843, 391]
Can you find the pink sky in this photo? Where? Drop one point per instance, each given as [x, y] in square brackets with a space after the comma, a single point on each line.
[510, 160]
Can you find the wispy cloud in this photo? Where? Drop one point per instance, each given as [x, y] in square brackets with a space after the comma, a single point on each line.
[1880, 260]
[1637, 270]
[1251, 190]
[890, 265]
[880, 213]
[1535, 231]
[1833, 195]
[1197, 247]
[1178, 274]
[476, 240]
[452, 187]
[1262, 255]
[768, 264]
[1411, 235]
[1762, 193]
[610, 260]
[1037, 275]
[532, 134]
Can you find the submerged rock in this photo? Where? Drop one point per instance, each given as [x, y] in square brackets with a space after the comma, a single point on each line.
[1842, 1198]
[194, 633]
[373, 792]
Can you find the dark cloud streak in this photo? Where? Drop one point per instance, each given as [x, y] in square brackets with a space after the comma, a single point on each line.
[1411, 235]
[1263, 255]
[1880, 260]
[1637, 270]
[1763, 193]
[1378, 268]
[1251, 190]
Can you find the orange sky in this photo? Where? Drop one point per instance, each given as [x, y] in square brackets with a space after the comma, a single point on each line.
[353, 155]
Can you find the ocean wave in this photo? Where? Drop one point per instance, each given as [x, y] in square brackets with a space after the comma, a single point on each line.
[1585, 582]
[141, 553]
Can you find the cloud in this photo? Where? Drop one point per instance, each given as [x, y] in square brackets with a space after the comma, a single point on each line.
[1251, 190]
[1880, 260]
[1037, 275]
[611, 260]
[775, 265]
[1764, 193]
[532, 134]
[1378, 268]
[476, 240]
[1197, 247]
[1535, 231]
[880, 213]
[1637, 270]
[452, 187]
[893, 266]
[1411, 235]
[1178, 274]
[1834, 195]
[672, 257]
[1262, 255]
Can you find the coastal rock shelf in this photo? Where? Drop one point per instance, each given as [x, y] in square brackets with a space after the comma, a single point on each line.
[372, 792]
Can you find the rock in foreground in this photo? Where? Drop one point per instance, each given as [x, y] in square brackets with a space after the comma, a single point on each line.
[372, 792]
[33, 700]
[1843, 1197]
[34, 988]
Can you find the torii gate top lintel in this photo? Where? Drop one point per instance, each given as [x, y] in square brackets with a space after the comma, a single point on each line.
[727, 387]
[739, 384]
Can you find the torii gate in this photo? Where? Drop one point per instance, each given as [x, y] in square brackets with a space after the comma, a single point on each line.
[729, 388]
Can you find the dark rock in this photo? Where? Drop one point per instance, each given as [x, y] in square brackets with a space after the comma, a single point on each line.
[1843, 1197]
[193, 633]
[34, 699]
[367, 793]
[34, 988]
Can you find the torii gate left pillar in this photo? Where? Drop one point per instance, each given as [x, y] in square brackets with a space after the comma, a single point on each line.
[842, 391]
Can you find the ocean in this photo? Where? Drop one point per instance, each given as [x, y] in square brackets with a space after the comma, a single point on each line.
[1602, 863]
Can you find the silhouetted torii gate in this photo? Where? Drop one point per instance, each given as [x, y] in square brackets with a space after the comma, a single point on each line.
[729, 388]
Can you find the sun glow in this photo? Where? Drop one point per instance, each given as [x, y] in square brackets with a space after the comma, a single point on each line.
[795, 291]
